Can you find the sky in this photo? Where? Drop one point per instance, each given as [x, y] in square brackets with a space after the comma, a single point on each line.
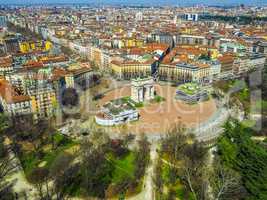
[142, 2]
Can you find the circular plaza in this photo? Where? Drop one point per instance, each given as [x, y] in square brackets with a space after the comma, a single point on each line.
[159, 117]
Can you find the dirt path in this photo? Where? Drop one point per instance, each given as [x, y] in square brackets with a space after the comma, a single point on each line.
[148, 187]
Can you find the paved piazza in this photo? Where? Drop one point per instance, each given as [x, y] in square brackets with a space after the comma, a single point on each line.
[159, 117]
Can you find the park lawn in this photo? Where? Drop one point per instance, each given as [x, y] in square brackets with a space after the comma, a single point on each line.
[50, 156]
[124, 167]
[165, 156]
[139, 105]
[30, 160]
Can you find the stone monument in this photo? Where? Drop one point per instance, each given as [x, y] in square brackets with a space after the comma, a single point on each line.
[142, 89]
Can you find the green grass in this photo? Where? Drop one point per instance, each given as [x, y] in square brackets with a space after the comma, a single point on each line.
[165, 173]
[158, 99]
[50, 156]
[249, 123]
[31, 161]
[261, 104]
[180, 190]
[123, 167]
[126, 99]
[189, 88]
[264, 104]
[139, 105]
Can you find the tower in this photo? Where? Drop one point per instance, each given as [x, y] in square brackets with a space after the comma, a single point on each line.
[139, 16]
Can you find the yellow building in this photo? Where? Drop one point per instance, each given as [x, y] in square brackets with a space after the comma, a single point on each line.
[213, 51]
[60, 33]
[131, 42]
[128, 70]
[32, 46]
[44, 102]
[96, 56]
[185, 72]
[24, 47]
[48, 45]
[29, 46]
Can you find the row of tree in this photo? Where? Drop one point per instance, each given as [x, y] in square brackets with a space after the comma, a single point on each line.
[238, 152]
[6, 162]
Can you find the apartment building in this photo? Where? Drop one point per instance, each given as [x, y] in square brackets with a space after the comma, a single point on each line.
[131, 69]
[6, 66]
[29, 46]
[183, 72]
[44, 101]
[260, 47]
[197, 39]
[227, 62]
[244, 64]
[13, 103]
[233, 48]
[80, 77]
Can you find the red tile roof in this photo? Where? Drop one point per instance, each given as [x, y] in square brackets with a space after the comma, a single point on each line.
[9, 94]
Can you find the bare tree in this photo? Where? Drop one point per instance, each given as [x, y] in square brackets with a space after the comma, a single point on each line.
[7, 160]
[174, 143]
[61, 172]
[192, 169]
[39, 177]
[225, 183]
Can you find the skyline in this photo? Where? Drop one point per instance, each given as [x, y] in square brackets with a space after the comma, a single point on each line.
[139, 2]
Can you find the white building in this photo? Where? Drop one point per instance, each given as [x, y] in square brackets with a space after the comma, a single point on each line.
[139, 16]
[116, 112]
[191, 17]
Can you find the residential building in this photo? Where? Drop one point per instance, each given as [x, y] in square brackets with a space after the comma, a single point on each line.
[80, 77]
[3, 21]
[131, 69]
[44, 101]
[191, 17]
[13, 103]
[183, 72]
[6, 65]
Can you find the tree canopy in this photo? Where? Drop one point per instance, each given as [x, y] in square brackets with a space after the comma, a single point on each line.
[239, 152]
